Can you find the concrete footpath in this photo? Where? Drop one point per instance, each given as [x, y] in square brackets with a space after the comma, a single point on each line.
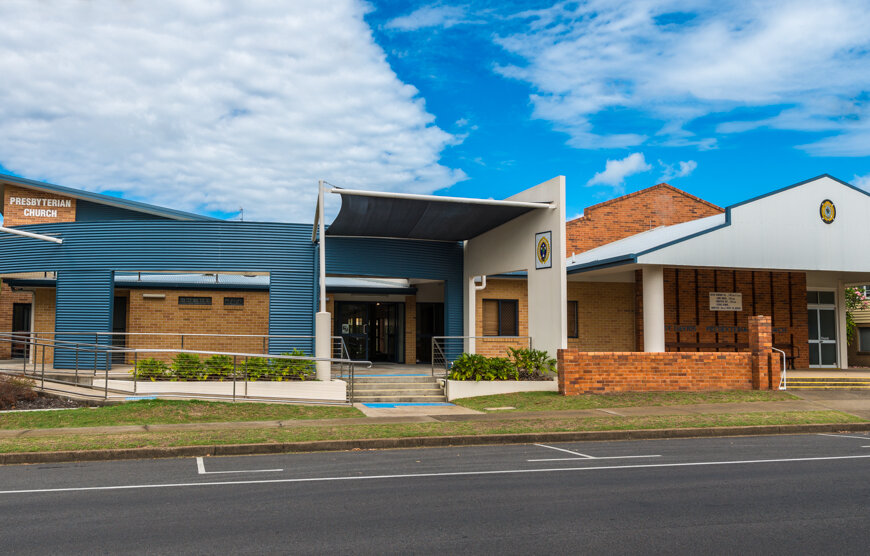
[856, 403]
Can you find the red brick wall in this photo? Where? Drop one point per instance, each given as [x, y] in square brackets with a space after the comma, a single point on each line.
[15, 214]
[660, 205]
[604, 372]
[689, 320]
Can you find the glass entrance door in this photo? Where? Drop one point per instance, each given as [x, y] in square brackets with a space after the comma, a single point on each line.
[353, 326]
[372, 331]
[822, 324]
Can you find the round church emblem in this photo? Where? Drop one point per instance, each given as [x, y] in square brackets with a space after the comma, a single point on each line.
[543, 250]
[827, 211]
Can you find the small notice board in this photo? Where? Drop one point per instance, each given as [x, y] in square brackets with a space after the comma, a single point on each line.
[726, 301]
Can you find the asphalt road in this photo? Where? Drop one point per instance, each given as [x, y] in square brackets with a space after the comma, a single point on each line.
[751, 495]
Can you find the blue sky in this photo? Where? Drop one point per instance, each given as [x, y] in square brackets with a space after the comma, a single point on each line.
[212, 106]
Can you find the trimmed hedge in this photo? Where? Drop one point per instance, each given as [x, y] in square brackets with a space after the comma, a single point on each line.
[189, 366]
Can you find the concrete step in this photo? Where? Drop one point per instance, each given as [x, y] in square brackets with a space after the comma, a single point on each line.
[408, 392]
[829, 383]
[400, 399]
[397, 386]
[391, 379]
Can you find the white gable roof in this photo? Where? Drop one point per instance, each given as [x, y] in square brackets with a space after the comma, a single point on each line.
[782, 230]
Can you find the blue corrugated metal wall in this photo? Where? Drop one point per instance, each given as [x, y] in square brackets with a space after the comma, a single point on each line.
[283, 250]
[394, 258]
[84, 303]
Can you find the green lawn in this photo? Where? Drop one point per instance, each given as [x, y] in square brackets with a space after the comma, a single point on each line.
[468, 428]
[553, 401]
[149, 412]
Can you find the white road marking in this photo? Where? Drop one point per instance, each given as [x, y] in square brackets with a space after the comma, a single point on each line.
[582, 456]
[596, 457]
[200, 468]
[428, 475]
[564, 450]
[843, 436]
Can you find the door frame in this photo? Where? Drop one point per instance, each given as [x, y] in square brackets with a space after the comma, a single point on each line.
[836, 341]
[398, 356]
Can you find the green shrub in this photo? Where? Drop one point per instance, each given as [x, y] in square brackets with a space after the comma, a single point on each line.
[187, 366]
[533, 364]
[292, 369]
[256, 368]
[218, 367]
[151, 369]
[477, 367]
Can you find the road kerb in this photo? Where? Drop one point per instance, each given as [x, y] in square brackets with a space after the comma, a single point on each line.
[417, 442]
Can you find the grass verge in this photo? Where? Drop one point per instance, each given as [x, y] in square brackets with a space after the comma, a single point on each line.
[150, 412]
[553, 401]
[352, 432]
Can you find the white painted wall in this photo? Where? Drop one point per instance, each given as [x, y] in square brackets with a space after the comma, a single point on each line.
[784, 231]
[331, 390]
[456, 389]
[511, 247]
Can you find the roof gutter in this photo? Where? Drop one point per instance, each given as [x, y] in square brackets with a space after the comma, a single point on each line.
[439, 198]
[31, 235]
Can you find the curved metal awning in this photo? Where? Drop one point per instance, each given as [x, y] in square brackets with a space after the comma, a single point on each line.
[427, 217]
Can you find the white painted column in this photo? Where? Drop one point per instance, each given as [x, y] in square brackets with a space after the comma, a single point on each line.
[470, 315]
[842, 338]
[322, 320]
[653, 309]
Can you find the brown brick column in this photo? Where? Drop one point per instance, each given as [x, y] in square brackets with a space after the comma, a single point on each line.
[760, 345]
[410, 329]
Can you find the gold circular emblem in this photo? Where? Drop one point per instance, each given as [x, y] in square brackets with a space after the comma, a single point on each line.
[543, 251]
[827, 211]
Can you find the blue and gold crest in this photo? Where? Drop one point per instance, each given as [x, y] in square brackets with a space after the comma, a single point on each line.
[543, 250]
[827, 211]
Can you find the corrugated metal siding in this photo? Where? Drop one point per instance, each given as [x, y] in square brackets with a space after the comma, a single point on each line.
[861, 316]
[84, 303]
[396, 258]
[283, 250]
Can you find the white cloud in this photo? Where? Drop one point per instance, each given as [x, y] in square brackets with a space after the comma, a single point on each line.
[586, 59]
[679, 170]
[862, 181]
[204, 105]
[431, 16]
[615, 171]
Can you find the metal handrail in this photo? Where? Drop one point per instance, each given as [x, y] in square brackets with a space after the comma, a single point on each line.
[107, 350]
[782, 379]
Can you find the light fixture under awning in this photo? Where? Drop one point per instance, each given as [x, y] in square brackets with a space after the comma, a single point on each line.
[426, 217]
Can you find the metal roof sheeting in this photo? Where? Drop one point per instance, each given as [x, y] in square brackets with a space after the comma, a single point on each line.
[92, 213]
[627, 249]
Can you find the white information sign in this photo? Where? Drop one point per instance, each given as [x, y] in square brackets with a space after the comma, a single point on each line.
[726, 301]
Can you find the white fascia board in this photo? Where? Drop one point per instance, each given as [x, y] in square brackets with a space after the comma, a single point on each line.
[440, 199]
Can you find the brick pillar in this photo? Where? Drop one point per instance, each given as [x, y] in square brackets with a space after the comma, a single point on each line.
[410, 329]
[760, 344]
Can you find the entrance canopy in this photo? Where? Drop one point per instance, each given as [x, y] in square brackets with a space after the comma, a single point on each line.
[426, 217]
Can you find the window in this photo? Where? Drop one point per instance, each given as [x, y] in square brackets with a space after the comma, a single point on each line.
[821, 298]
[573, 331]
[234, 301]
[500, 317]
[192, 300]
[864, 339]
